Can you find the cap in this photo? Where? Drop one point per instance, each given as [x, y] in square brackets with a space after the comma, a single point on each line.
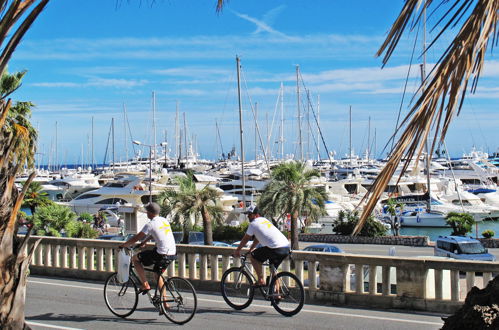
[252, 209]
[153, 208]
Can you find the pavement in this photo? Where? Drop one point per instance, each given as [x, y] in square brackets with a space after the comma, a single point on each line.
[383, 250]
[55, 303]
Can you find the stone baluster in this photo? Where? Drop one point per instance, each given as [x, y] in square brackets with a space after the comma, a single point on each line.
[203, 270]
[214, 267]
[171, 269]
[192, 267]
[487, 277]
[81, 258]
[225, 263]
[299, 269]
[109, 260]
[385, 281]
[181, 265]
[72, 258]
[56, 257]
[100, 259]
[359, 279]
[39, 255]
[373, 281]
[91, 258]
[312, 276]
[438, 284]
[454, 285]
[470, 280]
[48, 257]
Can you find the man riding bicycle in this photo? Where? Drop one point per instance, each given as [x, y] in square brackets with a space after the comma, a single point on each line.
[275, 246]
[159, 229]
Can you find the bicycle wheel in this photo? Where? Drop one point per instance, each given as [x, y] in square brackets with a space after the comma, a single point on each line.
[120, 298]
[178, 300]
[287, 294]
[237, 288]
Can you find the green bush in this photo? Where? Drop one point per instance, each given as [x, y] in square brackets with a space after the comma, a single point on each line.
[226, 233]
[86, 216]
[489, 233]
[50, 220]
[347, 221]
[79, 229]
[461, 223]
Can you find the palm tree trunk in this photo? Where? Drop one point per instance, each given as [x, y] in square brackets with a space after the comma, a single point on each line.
[14, 257]
[207, 227]
[294, 231]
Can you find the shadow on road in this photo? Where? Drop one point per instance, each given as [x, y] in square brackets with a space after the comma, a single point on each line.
[91, 318]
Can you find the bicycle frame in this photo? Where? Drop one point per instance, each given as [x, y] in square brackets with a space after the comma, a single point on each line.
[264, 290]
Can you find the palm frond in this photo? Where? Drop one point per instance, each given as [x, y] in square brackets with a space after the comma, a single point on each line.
[444, 88]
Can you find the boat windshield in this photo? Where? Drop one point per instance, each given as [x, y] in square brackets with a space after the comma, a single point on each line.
[471, 248]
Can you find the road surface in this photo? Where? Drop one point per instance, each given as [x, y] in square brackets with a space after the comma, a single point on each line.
[55, 303]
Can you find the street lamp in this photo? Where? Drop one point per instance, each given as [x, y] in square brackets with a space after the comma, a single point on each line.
[150, 166]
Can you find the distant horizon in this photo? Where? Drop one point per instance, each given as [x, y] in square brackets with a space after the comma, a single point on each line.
[185, 53]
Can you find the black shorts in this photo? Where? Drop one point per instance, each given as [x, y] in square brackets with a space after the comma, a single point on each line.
[274, 256]
[149, 257]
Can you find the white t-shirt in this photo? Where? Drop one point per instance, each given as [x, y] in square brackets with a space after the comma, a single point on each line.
[159, 228]
[267, 234]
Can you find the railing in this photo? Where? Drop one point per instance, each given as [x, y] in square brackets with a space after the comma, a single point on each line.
[425, 283]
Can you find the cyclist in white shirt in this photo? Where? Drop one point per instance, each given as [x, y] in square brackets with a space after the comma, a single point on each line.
[158, 229]
[275, 246]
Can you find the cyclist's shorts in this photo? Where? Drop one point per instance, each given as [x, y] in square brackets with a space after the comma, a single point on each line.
[149, 257]
[274, 256]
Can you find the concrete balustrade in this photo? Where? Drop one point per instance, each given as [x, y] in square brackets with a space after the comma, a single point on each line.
[430, 284]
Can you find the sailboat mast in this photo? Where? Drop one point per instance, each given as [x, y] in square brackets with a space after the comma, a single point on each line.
[243, 180]
[56, 153]
[423, 78]
[154, 122]
[318, 126]
[369, 139]
[350, 138]
[93, 155]
[126, 135]
[256, 133]
[282, 121]
[298, 111]
[112, 130]
[177, 138]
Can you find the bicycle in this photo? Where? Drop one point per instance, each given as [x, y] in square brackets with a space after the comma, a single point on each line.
[284, 290]
[176, 299]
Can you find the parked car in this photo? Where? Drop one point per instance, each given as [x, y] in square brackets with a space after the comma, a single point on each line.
[329, 248]
[464, 248]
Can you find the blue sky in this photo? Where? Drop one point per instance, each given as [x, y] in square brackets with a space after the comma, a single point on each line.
[89, 58]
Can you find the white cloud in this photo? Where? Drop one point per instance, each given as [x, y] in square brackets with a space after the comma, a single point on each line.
[94, 82]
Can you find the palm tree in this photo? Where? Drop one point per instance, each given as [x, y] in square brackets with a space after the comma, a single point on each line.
[291, 192]
[17, 144]
[188, 205]
[52, 219]
[35, 197]
[393, 208]
[444, 87]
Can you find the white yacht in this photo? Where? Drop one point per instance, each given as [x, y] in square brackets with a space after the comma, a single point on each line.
[128, 191]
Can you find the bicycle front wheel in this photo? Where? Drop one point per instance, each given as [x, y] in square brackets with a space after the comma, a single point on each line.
[287, 294]
[178, 300]
[120, 298]
[237, 288]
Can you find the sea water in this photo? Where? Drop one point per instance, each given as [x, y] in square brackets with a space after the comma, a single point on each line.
[433, 233]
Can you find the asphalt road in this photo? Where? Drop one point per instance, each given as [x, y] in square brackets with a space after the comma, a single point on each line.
[54, 303]
[383, 250]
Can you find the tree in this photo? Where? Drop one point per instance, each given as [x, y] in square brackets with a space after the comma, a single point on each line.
[52, 219]
[444, 88]
[346, 222]
[35, 197]
[394, 208]
[290, 191]
[461, 223]
[188, 205]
